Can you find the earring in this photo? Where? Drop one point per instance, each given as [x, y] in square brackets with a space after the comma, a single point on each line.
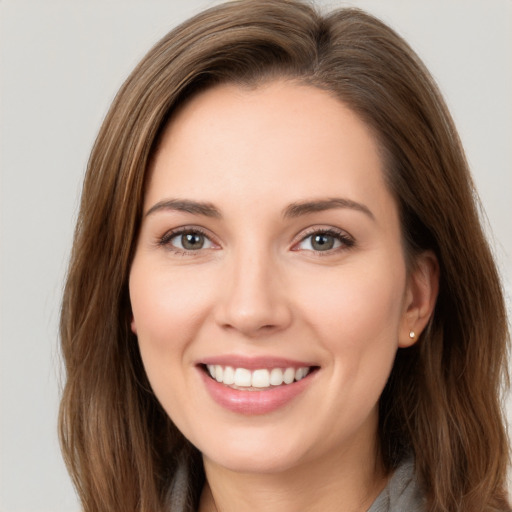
[412, 335]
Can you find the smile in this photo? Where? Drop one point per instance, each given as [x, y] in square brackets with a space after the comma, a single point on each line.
[256, 380]
[255, 386]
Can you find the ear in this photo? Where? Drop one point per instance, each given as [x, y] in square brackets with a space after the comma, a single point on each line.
[133, 326]
[420, 298]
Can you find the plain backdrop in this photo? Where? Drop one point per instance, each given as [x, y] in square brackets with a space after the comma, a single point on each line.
[61, 63]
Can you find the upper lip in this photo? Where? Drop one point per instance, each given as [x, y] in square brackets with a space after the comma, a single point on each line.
[254, 363]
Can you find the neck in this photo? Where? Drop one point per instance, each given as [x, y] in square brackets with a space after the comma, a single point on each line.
[349, 480]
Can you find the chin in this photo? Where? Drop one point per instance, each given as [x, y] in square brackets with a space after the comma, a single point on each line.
[254, 454]
[253, 463]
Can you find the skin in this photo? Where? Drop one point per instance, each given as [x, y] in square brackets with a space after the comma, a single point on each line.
[258, 287]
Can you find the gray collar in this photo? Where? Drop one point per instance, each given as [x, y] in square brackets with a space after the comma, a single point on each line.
[402, 494]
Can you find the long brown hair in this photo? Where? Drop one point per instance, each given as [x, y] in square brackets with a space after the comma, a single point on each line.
[442, 401]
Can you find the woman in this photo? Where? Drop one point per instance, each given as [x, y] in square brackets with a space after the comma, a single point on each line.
[280, 296]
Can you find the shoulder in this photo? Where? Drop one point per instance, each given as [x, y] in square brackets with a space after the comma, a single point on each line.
[403, 493]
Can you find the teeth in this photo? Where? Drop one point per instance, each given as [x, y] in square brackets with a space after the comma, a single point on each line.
[229, 375]
[289, 375]
[300, 373]
[242, 377]
[276, 377]
[261, 378]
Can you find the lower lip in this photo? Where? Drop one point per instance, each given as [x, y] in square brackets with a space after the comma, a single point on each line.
[253, 402]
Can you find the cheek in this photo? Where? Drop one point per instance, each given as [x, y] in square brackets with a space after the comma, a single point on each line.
[356, 314]
[353, 313]
[168, 311]
[166, 306]
[356, 318]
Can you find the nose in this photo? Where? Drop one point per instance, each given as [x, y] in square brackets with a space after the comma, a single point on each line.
[254, 300]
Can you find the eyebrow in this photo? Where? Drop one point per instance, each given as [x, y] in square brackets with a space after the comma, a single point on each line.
[293, 210]
[307, 207]
[186, 205]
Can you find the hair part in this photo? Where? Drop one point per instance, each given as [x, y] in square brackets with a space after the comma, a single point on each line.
[442, 400]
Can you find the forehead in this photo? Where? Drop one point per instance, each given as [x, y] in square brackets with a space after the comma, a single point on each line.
[251, 142]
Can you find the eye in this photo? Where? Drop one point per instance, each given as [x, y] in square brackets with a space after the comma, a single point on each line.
[324, 241]
[189, 240]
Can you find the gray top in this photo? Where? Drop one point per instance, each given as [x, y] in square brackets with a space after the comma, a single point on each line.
[402, 494]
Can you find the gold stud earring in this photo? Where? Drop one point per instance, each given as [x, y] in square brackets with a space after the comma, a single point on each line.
[412, 335]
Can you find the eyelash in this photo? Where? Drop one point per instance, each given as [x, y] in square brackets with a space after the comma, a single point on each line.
[346, 241]
[165, 241]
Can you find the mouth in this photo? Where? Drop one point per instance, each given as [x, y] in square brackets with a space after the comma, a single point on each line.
[255, 385]
[260, 379]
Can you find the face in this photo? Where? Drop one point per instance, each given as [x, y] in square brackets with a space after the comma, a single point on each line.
[269, 290]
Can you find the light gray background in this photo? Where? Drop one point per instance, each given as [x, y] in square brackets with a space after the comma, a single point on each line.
[61, 64]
